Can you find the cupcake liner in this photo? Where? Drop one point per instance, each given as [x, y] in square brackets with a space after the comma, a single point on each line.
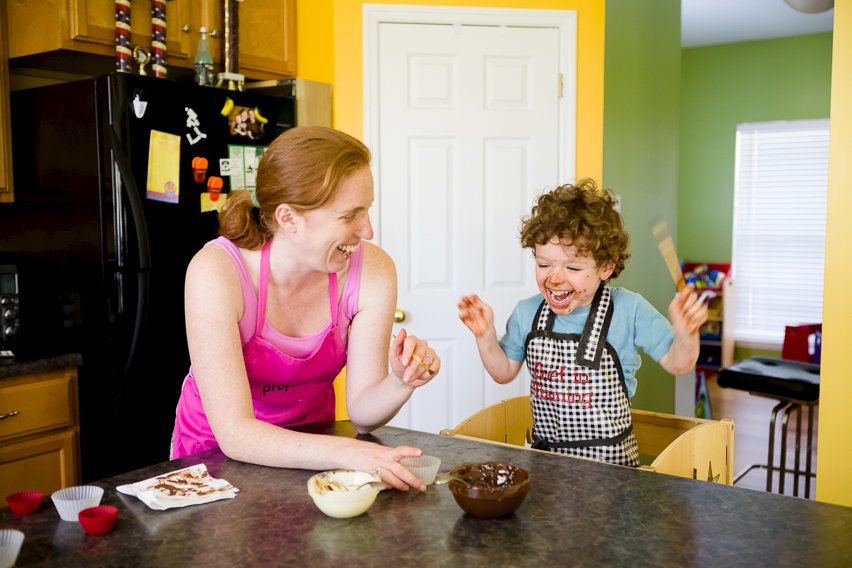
[24, 502]
[10, 545]
[71, 500]
[98, 520]
[424, 467]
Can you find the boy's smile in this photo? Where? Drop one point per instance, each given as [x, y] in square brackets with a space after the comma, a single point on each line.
[567, 279]
[560, 298]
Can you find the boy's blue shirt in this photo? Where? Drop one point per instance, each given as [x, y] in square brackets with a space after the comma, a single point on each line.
[636, 324]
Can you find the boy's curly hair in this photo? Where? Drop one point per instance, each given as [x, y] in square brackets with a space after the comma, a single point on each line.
[581, 215]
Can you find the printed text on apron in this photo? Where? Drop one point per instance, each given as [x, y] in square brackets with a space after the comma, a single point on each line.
[579, 399]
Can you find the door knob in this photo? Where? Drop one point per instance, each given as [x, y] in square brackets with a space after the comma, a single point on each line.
[399, 316]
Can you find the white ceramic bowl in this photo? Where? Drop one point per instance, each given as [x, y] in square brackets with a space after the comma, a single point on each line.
[71, 500]
[10, 545]
[332, 495]
[424, 467]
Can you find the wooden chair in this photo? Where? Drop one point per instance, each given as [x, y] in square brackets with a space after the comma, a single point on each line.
[675, 445]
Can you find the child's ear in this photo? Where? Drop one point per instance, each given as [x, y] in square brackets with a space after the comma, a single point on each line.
[606, 270]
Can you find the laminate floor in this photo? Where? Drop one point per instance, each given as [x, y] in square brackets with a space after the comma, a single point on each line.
[751, 415]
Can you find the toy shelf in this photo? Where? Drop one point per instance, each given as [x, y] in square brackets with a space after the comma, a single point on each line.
[716, 335]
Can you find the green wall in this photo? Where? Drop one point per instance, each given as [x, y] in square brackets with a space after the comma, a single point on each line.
[640, 159]
[722, 86]
[670, 117]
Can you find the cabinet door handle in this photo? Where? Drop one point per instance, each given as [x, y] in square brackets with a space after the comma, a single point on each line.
[8, 415]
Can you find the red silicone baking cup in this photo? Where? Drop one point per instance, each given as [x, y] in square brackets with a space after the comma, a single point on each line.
[98, 520]
[25, 502]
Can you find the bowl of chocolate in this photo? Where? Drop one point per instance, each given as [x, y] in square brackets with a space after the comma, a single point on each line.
[492, 490]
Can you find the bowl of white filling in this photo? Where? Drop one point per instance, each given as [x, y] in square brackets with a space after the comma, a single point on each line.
[343, 494]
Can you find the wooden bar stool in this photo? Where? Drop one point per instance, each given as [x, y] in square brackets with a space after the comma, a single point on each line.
[794, 384]
[682, 446]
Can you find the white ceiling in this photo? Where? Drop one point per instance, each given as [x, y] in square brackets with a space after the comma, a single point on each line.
[706, 22]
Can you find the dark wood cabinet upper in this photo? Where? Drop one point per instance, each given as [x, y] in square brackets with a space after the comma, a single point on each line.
[267, 31]
[5, 136]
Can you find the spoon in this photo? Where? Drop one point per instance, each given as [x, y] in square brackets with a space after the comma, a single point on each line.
[447, 477]
[377, 485]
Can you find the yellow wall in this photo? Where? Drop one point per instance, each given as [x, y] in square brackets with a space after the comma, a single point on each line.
[834, 462]
[315, 40]
[330, 50]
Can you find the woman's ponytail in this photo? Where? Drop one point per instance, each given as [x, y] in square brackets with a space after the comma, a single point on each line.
[240, 221]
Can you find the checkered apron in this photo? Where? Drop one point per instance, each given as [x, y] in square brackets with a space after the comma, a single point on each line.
[579, 399]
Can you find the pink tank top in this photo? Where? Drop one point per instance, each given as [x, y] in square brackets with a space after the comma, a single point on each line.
[290, 378]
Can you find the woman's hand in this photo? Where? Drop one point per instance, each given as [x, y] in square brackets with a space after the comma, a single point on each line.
[383, 462]
[412, 360]
[686, 312]
[476, 315]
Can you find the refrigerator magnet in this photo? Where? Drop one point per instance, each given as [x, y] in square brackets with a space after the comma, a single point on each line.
[244, 121]
[213, 199]
[163, 167]
[139, 106]
[199, 169]
[214, 187]
[194, 123]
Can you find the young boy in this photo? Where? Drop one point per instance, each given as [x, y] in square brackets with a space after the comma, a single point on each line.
[578, 336]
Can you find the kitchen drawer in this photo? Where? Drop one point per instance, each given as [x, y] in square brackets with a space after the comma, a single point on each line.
[37, 403]
[42, 464]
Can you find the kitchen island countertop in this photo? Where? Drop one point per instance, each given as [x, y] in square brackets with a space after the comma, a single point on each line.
[577, 513]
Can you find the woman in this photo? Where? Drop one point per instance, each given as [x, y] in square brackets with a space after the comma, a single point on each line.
[290, 294]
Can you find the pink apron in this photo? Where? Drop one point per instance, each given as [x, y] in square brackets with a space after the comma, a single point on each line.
[286, 391]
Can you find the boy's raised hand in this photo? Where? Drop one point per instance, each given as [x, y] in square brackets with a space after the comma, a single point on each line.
[476, 315]
[686, 312]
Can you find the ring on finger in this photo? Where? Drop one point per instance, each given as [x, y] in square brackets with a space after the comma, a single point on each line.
[427, 360]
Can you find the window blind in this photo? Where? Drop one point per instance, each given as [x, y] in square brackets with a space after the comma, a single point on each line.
[780, 189]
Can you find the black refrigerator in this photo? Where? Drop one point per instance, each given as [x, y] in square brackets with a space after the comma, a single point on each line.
[112, 200]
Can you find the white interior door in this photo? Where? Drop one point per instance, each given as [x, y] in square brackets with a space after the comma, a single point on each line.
[468, 134]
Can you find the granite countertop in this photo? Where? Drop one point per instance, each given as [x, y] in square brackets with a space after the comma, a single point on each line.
[40, 365]
[576, 513]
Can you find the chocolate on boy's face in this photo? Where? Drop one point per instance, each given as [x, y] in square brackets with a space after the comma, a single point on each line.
[565, 278]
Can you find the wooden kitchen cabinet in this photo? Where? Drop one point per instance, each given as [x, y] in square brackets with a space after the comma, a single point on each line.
[45, 464]
[88, 26]
[267, 31]
[267, 36]
[39, 432]
[5, 136]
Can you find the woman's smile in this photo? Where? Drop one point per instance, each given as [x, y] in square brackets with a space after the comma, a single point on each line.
[348, 249]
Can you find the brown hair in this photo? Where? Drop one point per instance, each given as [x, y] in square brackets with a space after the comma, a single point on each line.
[303, 168]
[583, 216]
